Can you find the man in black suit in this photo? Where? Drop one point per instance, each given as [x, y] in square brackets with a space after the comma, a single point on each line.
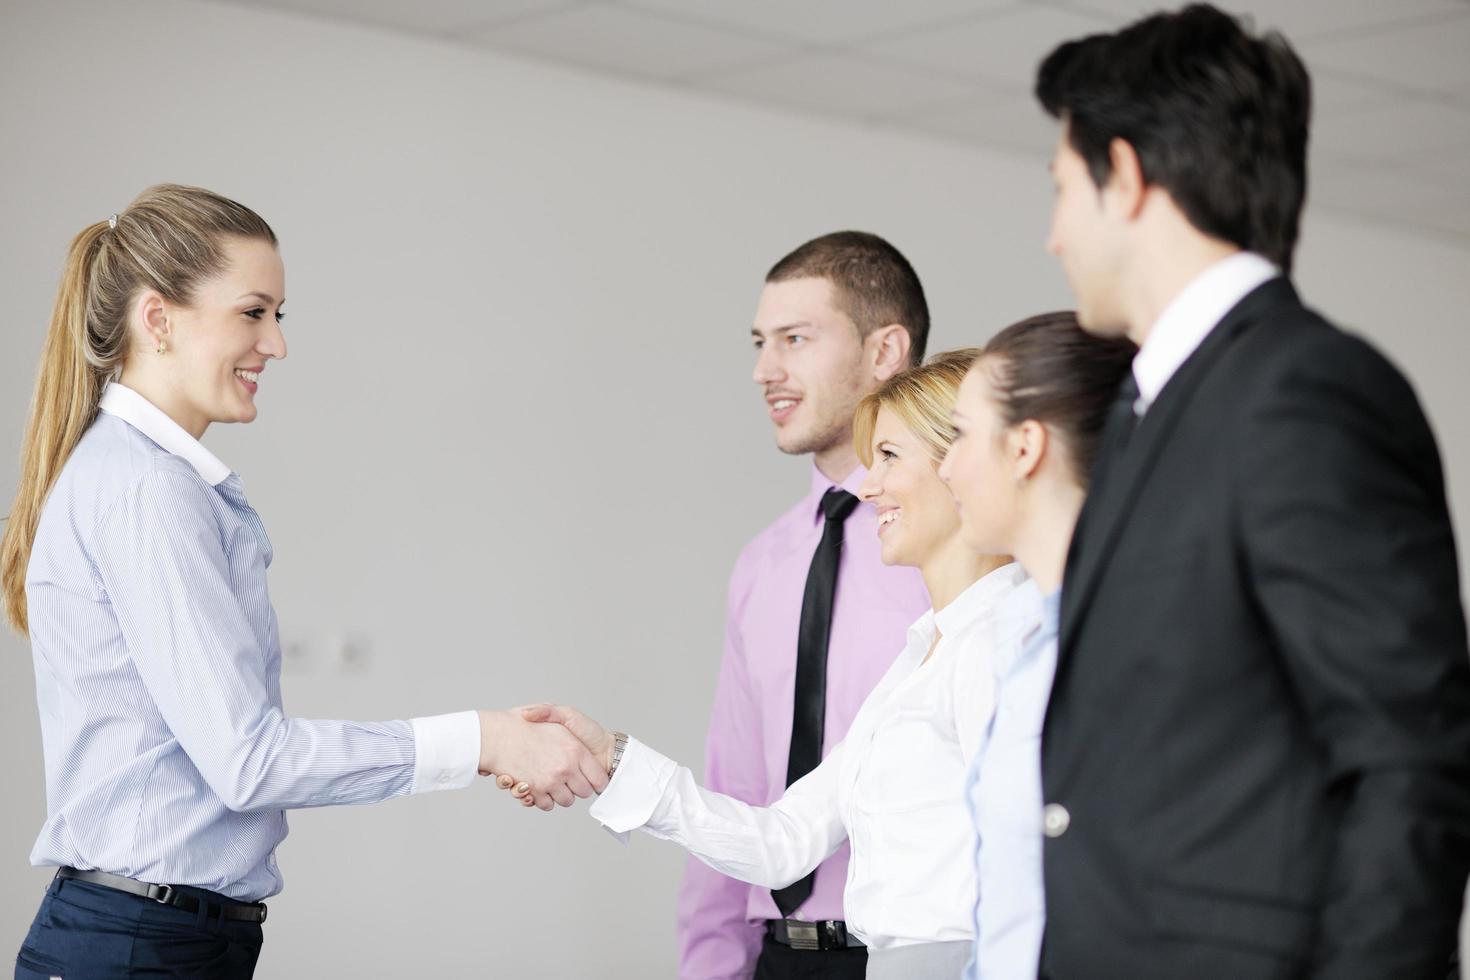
[1257, 752]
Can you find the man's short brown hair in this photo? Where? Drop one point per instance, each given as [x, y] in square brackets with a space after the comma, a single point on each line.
[871, 282]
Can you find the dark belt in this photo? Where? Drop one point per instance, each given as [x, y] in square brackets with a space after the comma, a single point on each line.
[826, 934]
[168, 895]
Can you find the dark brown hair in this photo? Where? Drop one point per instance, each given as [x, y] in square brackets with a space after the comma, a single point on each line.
[1049, 369]
[1217, 115]
[871, 282]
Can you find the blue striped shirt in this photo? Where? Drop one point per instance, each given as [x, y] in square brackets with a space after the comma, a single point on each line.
[168, 756]
[1003, 788]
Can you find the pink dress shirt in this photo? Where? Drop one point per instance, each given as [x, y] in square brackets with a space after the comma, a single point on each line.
[721, 919]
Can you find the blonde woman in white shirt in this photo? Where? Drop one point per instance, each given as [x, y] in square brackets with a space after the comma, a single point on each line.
[895, 785]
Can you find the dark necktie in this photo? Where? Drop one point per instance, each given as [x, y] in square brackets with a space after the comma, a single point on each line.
[811, 666]
[1122, 419]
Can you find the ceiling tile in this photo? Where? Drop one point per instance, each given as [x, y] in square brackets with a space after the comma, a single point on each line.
[1334, 94]
[421, 16]
[1449, 168]
[834, 83]
[1431, 56]
[631, 41]
[1406, 128]
[1007, 120]
[1299, 20]
[1394, 196]
[823, 21]
[1006, 47]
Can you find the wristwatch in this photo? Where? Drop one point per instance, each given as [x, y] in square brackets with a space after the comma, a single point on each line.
[620, 742]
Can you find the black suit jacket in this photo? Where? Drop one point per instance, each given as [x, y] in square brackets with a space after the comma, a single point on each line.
[1260, 725]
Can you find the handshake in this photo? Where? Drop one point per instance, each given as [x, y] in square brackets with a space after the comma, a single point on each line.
[545, 754]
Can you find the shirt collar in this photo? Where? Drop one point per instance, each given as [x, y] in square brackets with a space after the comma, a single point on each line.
[1051, 613]
[979, 599]
[821, 484]
[1190, 317]
[124, 403]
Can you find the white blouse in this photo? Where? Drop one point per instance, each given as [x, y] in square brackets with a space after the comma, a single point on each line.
[894, 786]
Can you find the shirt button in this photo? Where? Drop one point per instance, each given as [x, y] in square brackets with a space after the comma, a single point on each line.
[1055, 820]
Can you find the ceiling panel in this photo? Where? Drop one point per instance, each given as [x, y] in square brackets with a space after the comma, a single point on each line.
[632, 41]
[1449, 168]
[1404, 129]
[1334, 94]
[1006, 46]
[1425, 56]
[1298, 19]
[1005, 121]
[421, 16]
[1391, 130]
[1394, 197]
[838, 84]
[824, 21]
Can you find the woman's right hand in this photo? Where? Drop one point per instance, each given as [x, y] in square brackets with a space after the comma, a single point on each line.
[598, 740]
[553, 767]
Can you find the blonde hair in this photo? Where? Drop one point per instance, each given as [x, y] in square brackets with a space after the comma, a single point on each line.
[170, 239]
[922, 398]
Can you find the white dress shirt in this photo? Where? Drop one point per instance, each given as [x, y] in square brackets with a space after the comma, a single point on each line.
[169, 756]
[1190, 316]
[894, 786]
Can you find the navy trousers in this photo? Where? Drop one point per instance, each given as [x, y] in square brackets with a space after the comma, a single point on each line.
[85, 931]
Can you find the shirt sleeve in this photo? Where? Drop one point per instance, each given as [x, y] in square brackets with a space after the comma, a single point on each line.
[767, 846]
[162, 561]
[446, 751]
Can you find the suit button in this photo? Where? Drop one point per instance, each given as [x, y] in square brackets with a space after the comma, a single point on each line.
[1055, 820]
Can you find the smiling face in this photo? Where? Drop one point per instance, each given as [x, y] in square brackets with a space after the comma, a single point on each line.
[811, 364]
[916, 513]
[215, 347]
[981, 467]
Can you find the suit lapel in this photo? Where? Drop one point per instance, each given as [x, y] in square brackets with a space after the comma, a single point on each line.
[1119, 474]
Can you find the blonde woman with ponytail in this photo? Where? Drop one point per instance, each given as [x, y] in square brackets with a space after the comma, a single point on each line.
[137, 568]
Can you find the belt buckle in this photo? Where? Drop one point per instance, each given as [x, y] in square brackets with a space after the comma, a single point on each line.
[803, 935]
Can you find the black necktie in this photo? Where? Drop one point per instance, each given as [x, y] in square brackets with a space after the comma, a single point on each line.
[811, 666]
[1122, 419]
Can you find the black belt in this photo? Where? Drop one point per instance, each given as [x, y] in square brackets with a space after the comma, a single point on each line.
[168, 895]
[826, 934]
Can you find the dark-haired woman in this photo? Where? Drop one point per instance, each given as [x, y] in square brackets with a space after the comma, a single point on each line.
[1027, 419]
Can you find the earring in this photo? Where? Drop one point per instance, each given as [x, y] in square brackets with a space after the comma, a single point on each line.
[160, 347]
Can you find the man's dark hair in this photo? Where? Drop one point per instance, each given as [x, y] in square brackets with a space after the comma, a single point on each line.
[1217, 116]
[871, 282]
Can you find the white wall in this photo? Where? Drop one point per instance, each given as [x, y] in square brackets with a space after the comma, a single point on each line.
[515, 446]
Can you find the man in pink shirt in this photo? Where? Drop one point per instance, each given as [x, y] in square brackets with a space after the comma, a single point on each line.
[814, 617]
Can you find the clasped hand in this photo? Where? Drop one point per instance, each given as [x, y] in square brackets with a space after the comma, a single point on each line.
[545, 754]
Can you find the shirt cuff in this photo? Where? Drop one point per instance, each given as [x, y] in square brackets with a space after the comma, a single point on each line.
[446, 751]
[635, 790]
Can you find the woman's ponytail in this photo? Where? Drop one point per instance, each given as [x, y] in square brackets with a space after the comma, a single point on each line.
[170, 239]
